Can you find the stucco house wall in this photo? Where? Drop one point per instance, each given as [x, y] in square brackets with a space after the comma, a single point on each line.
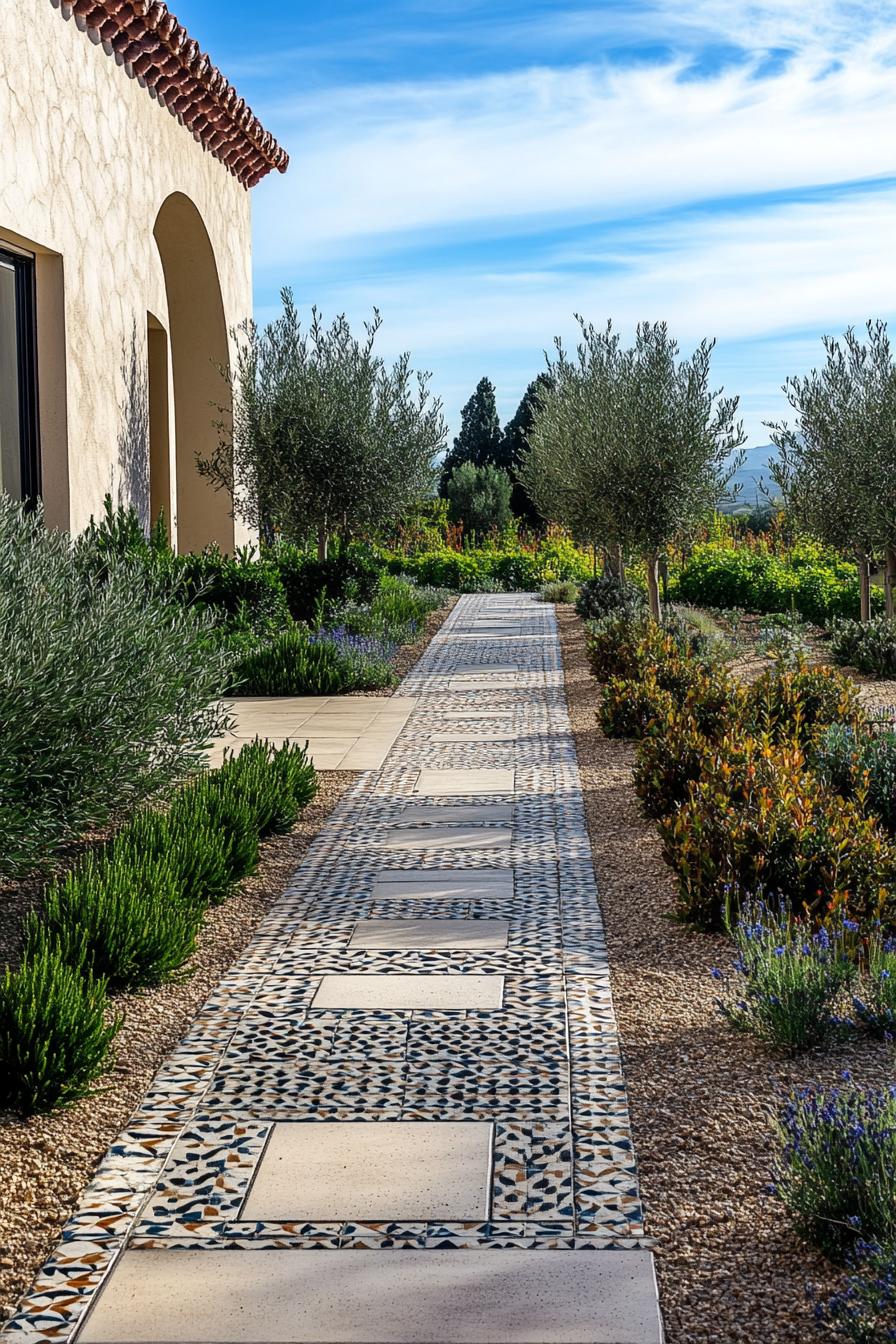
[143, 265]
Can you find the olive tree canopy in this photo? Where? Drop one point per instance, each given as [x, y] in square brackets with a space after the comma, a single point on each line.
[630, 447]
[837, 469]
[324, 438]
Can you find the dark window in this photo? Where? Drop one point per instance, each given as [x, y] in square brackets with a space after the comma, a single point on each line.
[19, 450]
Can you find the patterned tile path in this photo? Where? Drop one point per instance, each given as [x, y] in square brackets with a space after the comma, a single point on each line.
[487, 1050]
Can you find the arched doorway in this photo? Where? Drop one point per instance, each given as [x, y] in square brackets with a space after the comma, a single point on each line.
[197, 332]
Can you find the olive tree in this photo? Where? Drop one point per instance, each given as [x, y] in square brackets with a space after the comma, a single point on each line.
[631, 446]
[324, 437]
[837, 468]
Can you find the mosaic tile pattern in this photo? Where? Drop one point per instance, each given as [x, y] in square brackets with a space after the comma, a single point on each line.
[544, 1069]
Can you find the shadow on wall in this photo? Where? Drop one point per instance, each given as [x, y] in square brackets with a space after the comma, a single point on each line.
[133, 434]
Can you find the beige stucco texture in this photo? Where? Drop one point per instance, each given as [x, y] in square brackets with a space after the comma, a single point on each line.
[142, 241]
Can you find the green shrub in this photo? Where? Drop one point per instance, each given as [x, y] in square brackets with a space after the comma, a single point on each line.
[856, 763]
[835, 1165]
[243, 591]
[55, 1031]
[759, 822]
[396, 613]
[122, 915]
[787, 978]
[815, 582]
[506, 566]
[616, 647]
[670, 758]
[329, 662]
[562, 591]
[479, 498]
[869, 646]
[350, 575]
[790, 701]
[108, 689]
[275, 783]
[608, 595]
[217, 800]
[629, 708]
[193, 841]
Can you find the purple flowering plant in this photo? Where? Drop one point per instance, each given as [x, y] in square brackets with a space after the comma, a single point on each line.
[787, 978]
[864, 1309]
[875, 1003]
[835, 1164]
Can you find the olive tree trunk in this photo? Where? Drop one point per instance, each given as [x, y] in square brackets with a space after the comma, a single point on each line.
[653, 591]
[864, 587]
[323, 543]
[890, 581]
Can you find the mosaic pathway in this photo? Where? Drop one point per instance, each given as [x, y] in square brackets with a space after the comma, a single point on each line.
[415, 1057]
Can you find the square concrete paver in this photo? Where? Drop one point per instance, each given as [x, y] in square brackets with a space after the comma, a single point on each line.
[443, 783]
[374, 1171]
[414, 839]
[410, 993]
[377, 1297]
[343, 732]
[484, 670]
[444, 884]
[430, 933]
[483, 738]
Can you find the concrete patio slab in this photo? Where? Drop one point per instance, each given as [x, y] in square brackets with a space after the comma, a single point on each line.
[484, 934]
[379, 1171]
[343, 732]
[410, 993]
[378, 1297]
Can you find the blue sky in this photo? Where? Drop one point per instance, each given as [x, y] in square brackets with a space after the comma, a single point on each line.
[481, 170]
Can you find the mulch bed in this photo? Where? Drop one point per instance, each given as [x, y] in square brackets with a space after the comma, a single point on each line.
[731, 1268]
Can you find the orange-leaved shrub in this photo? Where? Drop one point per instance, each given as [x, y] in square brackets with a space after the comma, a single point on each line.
[758, 822]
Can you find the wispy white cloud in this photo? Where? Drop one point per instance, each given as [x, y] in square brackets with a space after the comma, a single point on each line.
[381, 162]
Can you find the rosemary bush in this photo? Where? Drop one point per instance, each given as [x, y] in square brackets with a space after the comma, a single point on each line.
[55, 1030]
[121, 914]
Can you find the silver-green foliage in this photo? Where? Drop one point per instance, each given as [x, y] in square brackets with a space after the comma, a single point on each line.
[107, 689]
[324, 436]
[630, 447]
[479, 498]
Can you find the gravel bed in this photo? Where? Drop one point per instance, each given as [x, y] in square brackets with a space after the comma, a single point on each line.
[46, 1161]
[731, 1268]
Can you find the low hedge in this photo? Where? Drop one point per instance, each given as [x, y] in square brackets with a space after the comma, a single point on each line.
[128, 916]
[817, 583]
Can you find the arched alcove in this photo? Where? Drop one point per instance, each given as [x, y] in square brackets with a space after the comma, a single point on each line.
[197, 336]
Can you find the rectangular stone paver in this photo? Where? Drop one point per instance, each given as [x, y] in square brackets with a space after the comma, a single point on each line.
[456, 814]
[430, 933]
[410, 992]
[444, 884]
[415, 839]
[343, 732]
[377, 1171]
[442, 783]
[378, 1297]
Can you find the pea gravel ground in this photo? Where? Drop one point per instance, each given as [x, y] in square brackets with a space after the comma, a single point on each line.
[730, 1266]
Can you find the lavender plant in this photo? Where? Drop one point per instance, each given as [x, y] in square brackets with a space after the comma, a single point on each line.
[875, 1004]
[864, 1310]
[787, 979]
[835, 1166]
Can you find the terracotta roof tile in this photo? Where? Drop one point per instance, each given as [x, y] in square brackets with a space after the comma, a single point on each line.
[160, 52]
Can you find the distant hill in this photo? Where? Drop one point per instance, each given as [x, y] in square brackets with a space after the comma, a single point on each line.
[751, 477]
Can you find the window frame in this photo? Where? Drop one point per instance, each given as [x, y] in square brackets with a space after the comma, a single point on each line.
[23, 268]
